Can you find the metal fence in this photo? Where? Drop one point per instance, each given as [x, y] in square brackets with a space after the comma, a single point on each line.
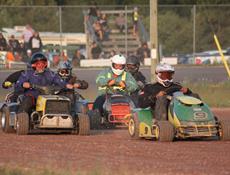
[181, 29]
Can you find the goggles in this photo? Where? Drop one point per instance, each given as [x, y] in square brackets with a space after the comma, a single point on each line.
[64, 72]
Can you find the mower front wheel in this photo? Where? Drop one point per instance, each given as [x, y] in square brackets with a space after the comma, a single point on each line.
[22, 124]
[134, 125]
[164, 131]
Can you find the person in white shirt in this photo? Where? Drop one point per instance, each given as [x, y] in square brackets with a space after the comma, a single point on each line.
[26, 35]
[35, 43]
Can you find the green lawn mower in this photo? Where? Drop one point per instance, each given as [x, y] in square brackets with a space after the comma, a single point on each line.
[188, 117]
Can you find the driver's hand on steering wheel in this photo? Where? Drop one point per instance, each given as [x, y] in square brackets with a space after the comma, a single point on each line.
[77, 85]
[184, 90]
[161, 93]
[69, 86]
[111, 82]
[122, 84]
[26, 85]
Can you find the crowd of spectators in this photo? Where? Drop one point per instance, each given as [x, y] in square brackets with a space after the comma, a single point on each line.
[101, 30]
[21, 51]
[100, 27]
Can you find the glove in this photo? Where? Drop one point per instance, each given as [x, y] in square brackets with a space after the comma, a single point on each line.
[184, 90]
[111, 82]
[26, 85]
[77, 85]
[69, 86]
[7, 84]
[161, 93]
[122, 84]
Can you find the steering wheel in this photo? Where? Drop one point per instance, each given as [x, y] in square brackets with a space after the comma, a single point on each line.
[115, 91]
[47, 90]
[171, 90]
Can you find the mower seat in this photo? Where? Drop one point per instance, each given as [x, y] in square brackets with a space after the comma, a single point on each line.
[189, 100]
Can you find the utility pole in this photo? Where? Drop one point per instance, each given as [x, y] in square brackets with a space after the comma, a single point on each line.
[153, 38]
[60, 29]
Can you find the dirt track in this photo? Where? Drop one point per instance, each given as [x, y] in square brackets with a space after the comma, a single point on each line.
[113, 152]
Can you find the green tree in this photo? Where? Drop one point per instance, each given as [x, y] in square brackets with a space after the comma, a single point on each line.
[175, 33]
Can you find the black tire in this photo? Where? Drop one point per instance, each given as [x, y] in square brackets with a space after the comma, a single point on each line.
[165, 131]
[95, 119]
[0, 120]
[224, 130]
[134, 127]
[83, 124]
[22, 124]
[5, 120]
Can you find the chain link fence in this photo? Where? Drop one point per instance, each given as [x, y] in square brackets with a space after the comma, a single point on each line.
[183, 31]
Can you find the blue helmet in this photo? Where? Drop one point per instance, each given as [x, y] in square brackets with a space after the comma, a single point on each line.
[65, 65]
[64, 69]
[38, 56]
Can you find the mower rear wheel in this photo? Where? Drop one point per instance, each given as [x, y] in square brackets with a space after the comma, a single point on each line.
[22, 124]
[134, 125]
[5, 120]
[224, 132]
[165, 131]
[83, 124]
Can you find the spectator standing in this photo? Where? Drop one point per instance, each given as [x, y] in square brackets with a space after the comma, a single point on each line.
[14, 44]
[93, 12]
[3, 43]
[120, 22]
[98, 30]
[104, 25]
[27, 57]
[95, 51]
[35, 43]
[135, 17]
[77, 57]
[26, 35]
[143, 52]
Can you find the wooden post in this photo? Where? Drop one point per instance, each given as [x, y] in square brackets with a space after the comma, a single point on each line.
[153, 38]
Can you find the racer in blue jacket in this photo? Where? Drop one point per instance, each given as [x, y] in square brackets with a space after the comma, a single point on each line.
[38, 75]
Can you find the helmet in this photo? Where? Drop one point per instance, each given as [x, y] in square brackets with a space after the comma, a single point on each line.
[132, 64]
[164, 74]
[38, 56]
[65, 65]
[39, 62]
[118, 60]
[64, 69]
[164, 68]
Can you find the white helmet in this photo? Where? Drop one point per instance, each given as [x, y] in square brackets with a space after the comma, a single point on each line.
[164, 68]
[118, 59]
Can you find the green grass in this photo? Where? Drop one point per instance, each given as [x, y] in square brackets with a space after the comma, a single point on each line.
[19, 171]
[214, 94]
[6, 170]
